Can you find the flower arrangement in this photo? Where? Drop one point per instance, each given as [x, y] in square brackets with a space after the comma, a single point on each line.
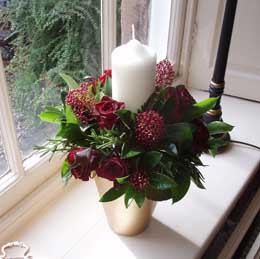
[153, 153]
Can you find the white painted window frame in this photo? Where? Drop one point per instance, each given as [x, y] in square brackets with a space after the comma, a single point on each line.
[21, 178]
[27, 175]
[180, 38]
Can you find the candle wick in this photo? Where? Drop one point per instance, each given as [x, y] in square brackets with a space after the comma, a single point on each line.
[133, 31]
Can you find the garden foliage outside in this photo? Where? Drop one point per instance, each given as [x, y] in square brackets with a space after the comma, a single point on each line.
[48, 37]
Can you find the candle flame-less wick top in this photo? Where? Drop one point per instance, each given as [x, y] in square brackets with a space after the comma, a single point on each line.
[133, 31]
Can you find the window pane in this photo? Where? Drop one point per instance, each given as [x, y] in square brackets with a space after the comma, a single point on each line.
[151, 19]
[135, 12]
[42, 39]
[3, 163]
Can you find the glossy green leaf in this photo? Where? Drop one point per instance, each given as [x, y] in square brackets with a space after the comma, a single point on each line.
[182, 187]
[72, 133]
[52, 115]
[151, 159]
[180, 133]
[128, 152]
[139, 198]
[198, 109]
[196, 178]
[161, 181]
[158, 195]
[108, 87]
[133, 194]
[129, 195]
[70, 116]
[72, 84]
[113, 194]
[126, 115]
[219, 127]
[215, 144]
[122, 179]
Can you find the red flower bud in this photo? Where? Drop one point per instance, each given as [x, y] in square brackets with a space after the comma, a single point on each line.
[106, 112]
[83, 162]
[113, 168]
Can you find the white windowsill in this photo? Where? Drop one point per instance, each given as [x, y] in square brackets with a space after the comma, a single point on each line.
[73, 224]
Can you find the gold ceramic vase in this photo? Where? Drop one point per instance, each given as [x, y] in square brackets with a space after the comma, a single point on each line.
[125, 221]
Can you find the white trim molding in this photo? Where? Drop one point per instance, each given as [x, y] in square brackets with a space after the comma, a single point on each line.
[108, 31]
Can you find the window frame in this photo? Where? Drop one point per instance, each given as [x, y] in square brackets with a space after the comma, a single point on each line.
[26, 175]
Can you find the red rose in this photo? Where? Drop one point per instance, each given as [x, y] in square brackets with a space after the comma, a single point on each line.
[107, 73]
[200, 137]
[83, 162]
[113, 168]
[182, 100]
[106, 112]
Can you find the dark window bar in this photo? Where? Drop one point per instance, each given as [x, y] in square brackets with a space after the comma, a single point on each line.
[217, 83]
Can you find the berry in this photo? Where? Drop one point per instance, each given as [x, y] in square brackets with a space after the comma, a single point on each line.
[149, 128]
[139, 180]
[82, 105]
[164, 73]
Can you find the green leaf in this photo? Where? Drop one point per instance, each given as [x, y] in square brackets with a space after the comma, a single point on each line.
[139, 198]
[108, 87]
[52, 115]
[168, 107]
[216, 143]
[133, 194]
[122, 179]
[161, 181]
[218, 127]
[126, 115]
[198, 109]
[99, 94]
[158, 195]
[128, 152]
[151, 159]
[197, 179]
[113, 194]
[180, 133]
[72, 133]
[72, 84]
[65, 171]
[129, 195]
[183, 185]
[70, 116]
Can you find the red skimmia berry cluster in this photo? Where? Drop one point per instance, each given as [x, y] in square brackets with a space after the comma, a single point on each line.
[83, 103]
[149, 128]
[164, 73]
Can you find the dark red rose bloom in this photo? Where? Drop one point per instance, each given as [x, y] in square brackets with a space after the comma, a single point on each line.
[107, 73]
[106, 112]
[200, 137]
[113, 168]
[182, 100]
[83, 162]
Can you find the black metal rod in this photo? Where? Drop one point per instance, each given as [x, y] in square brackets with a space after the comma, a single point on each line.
[224, 42]
[217, 83]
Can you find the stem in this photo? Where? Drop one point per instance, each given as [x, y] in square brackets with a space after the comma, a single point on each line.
[244, 143]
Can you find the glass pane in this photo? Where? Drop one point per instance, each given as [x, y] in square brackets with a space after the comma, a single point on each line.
[135, 12]
[42, 39]
[151, 19]
[3, 163]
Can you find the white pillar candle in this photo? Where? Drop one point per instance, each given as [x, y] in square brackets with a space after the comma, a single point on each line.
[133, 74]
